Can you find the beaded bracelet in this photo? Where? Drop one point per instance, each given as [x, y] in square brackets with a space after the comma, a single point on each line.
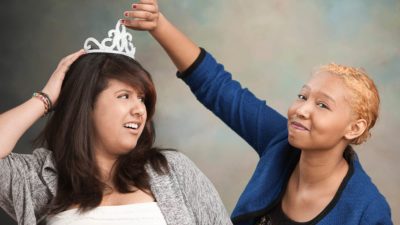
[45, 99]
[48, 99]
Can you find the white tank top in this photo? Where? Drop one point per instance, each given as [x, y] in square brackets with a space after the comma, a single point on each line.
[133, 214]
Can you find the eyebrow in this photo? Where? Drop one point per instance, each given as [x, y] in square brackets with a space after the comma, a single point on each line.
[123, 90]
[321, 93]
[138, 92]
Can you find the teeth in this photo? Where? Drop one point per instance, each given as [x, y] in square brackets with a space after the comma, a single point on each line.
[131, 125]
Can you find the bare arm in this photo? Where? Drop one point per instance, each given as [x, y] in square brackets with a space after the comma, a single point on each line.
[182, 51]
[213, 86]
[15, 122]
[145, 16]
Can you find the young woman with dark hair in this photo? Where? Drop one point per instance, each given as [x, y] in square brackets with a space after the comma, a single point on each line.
[308, 172]
[97, 163]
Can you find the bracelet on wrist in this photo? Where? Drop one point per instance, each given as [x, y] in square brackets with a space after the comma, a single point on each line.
[45, 99]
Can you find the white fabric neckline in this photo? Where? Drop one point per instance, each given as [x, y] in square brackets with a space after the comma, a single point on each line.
[147, 213]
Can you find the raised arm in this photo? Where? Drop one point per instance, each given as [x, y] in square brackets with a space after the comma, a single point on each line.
[247, 115]
[15, 122]
[145, 16]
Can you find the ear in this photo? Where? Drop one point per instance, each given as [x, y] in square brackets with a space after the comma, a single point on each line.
[355, 129]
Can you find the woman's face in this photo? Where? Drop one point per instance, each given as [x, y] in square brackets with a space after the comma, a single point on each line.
[321, 115]
[119, 116]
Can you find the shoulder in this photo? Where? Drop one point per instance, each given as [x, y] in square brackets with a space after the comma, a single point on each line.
[377, 209]
[174, 156]
[371, 203]
[360, 182]
[28, 162]
[35, 168]
[184, 169]
[194, 190]
[178, 161]
[377, 212]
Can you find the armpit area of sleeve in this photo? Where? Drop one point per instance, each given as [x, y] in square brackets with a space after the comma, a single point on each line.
[194, 65]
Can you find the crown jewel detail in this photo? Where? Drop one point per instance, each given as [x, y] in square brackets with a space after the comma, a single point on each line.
[119, 42]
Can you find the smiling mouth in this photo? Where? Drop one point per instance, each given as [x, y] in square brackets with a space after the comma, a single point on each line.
[133, 126]
[298, 126]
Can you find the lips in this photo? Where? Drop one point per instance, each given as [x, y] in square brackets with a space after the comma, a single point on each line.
[298, 126]
[134, 125]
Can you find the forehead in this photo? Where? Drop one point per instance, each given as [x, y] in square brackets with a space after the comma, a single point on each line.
[116, 85]
[328, 84]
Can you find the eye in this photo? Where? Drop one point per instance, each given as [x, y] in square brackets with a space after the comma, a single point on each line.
[123, 96]
[141, 98]
[322, 105]
[301, 97]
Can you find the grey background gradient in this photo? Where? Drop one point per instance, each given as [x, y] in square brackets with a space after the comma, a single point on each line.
[271, 46]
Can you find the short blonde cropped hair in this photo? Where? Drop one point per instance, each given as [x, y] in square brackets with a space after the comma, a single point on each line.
[365, 97]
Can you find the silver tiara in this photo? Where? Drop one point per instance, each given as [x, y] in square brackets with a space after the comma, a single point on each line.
[118, 42]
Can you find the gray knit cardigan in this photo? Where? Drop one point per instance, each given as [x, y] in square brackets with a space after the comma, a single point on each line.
[185, 195]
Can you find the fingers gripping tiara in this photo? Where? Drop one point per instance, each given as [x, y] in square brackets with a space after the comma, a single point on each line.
[118, 42]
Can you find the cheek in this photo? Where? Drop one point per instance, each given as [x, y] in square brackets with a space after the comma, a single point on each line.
[144, 116]
[106, 118]
[102, 126]
[330, 127]
[292, 110]
[143, 127]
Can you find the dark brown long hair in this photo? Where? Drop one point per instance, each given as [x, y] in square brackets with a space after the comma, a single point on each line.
[69, 133]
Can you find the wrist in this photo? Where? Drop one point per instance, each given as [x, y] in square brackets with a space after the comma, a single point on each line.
[45, 99]
[50, 94]
[160, 23]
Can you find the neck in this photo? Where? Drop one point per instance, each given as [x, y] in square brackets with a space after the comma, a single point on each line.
[106, 168]
[319, 168]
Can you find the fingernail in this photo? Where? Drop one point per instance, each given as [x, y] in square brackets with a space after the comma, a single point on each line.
[134, 6]
[126, 14]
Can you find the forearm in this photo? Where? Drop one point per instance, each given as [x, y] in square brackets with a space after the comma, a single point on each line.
[182, 51]
[15, 122]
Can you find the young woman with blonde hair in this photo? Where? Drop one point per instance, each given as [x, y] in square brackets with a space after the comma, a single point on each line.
[308, 172]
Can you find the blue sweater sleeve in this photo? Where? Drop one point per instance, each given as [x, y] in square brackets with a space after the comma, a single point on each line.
[247, 115]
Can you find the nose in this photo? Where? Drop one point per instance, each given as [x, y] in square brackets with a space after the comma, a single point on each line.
[138, 108]
[303, 111]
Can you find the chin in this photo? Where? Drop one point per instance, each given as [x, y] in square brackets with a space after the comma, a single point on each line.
[297, 143]
[293, 142]
[127, 148]
[292, 139]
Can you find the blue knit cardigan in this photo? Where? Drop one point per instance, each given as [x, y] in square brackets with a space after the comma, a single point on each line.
[357, 201]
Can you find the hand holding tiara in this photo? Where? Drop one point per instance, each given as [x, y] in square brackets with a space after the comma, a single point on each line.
[142, 16]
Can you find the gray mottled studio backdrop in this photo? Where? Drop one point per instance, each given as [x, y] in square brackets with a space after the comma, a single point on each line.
[271, 46]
